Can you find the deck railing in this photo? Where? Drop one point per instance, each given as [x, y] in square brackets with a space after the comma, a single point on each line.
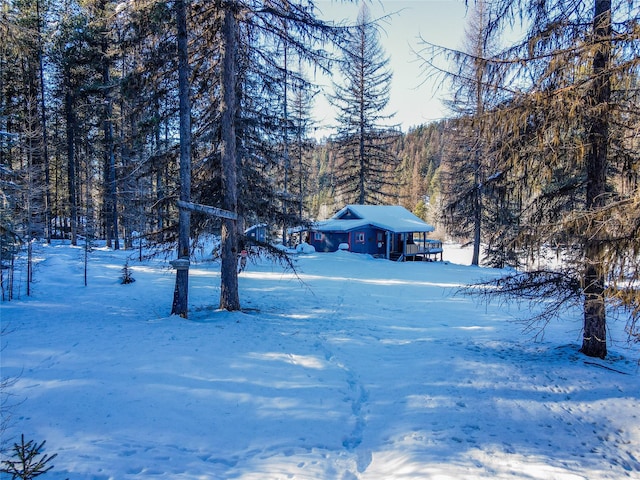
[423, 248]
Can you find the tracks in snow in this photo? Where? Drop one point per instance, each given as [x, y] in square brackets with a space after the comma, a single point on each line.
[357, 395]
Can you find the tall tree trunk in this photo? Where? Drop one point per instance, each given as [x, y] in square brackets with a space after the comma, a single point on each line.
[477, 176]
[110, 185]
[480, 46]
[45, 147]
[229, 298]
[159, 180]
[477, 214]
[181, 293]
[594, 342]
[70, 117]
[285, 200]
[111, 207]
[362, 196]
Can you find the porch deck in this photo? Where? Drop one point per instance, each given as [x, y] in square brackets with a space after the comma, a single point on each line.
[426, 250]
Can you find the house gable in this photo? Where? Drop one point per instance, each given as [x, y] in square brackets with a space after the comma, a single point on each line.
[347, 214]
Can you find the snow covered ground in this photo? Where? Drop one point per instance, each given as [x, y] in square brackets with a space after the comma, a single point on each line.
[360, 369]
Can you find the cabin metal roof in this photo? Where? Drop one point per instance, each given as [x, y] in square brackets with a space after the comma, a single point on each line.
[392, 218]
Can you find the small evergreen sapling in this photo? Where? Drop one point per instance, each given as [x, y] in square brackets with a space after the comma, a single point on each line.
[126, 275]
[29, 461]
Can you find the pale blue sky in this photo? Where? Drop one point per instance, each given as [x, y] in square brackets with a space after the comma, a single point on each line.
[438, 21]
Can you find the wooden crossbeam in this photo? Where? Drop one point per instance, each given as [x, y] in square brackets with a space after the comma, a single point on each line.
[206, 209]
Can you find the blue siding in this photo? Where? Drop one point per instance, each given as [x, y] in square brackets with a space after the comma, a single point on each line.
[365, 239]
[329, 241]
[257, 232]
[368, 240]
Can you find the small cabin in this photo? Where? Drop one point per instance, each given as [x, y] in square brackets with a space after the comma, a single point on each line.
[257, 233]
[386, 231]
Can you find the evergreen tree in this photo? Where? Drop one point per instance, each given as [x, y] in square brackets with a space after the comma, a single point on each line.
[150, 101]
[468, 172]
[249, 60]
[181, 292]
[29, 461]
[22, 125]
[19, 117]
[302, 145]
[471, 98]
[366, 161]
[560, 138]
[229, 296]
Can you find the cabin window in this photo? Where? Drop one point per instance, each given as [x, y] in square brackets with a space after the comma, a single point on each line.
[359, 237]
[317, 236]
[380, 237]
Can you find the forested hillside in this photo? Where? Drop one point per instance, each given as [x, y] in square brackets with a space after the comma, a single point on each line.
[419, 153]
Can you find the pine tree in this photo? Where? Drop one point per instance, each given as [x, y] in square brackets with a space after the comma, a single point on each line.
[150, 87]
[301, 146]
[181, 292]
[229, 297]
[248, 143]
[366, 161]
[468, 169]
[29, 461]
[77, 76]
[560, 138]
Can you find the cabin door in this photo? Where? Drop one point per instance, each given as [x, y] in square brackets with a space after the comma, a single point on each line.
[381, 243]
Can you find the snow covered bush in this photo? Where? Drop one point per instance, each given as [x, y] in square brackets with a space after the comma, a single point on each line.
[305, 248]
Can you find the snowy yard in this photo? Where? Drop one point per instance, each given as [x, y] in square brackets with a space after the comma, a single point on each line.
[360, 369]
